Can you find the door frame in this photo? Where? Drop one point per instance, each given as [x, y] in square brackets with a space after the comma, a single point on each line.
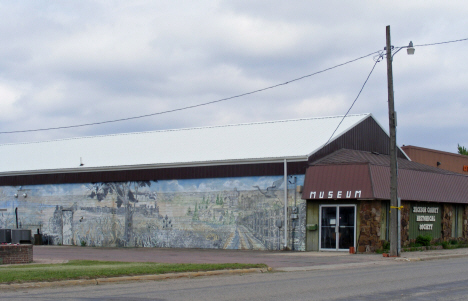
[337, 206]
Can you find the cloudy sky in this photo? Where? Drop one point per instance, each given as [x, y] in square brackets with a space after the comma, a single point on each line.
[72, 62]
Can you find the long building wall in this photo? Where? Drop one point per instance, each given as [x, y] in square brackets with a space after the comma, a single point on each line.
[221, 213]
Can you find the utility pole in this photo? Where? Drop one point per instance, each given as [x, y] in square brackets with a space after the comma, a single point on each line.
[394, 207]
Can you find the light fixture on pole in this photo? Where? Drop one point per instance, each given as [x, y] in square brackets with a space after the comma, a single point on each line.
[395, 206]
[410, 48]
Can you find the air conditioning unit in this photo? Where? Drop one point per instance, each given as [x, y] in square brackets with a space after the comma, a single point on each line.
[21, 236]
[5, 235]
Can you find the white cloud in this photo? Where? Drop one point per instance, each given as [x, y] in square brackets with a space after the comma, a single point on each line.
[69, 63]
[8, 98]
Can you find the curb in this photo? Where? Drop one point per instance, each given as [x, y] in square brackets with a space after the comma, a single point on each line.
[331, 266]
[432, 257]
[365, 264]
[129, 278]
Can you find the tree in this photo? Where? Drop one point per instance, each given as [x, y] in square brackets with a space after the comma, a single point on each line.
[127, 195]
[462, 150]
[195, 216]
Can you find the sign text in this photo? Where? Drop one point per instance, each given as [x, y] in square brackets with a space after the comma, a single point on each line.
[339, 194]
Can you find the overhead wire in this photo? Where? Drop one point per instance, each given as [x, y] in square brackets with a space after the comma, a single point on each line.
[377, 59]
[446, 42]
[360, 91]
[193, 106]
[231, 97]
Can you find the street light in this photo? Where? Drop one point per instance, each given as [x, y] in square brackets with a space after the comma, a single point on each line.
[410, 49]
[394, 201]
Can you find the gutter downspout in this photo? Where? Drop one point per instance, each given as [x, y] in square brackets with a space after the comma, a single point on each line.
[16, 214]
[285, 204]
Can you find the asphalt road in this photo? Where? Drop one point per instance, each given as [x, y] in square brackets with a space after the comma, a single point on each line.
[445, 279]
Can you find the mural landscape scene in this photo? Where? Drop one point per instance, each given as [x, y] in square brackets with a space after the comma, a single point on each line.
[227, 213]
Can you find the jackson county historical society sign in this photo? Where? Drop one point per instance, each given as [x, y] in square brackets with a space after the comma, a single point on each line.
[426, 218]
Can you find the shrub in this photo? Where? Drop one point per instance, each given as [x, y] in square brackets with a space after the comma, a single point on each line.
[386, 245]
[445, 245]
[424, 240]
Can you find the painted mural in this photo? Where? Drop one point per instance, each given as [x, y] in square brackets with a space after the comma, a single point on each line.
[221, 213]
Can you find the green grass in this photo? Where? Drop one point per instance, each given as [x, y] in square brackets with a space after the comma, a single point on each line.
[89, 269]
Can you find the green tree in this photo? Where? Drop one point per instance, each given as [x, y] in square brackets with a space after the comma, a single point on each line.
[195, 213]
[232, 219]
[127, 195]
[462, 150]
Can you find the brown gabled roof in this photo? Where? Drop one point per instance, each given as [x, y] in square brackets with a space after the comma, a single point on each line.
[349, 156]
[364, 175]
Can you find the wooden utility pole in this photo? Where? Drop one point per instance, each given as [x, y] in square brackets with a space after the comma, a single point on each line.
[394, 221]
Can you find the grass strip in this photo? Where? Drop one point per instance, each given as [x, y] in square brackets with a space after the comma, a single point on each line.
[91, 269]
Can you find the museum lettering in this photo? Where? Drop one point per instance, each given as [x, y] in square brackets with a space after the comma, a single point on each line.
[339, 194]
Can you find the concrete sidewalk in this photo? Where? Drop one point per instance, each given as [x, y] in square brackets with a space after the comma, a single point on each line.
[278, 260]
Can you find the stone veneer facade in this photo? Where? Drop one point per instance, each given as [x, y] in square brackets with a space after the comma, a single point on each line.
[465, 222]
[369, 232]
[372, 220]
[447, 216]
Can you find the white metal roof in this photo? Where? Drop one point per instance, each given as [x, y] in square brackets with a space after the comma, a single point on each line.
[241, 143]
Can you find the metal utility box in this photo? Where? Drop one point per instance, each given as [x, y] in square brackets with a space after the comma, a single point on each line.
[5, 235]
[38, 239]
[20, 236]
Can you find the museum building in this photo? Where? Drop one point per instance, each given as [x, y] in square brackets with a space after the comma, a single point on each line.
[311, 184]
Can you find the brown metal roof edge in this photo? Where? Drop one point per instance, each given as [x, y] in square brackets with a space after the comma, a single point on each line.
[220, 171]
[362, 157]
[343, 163]
[433, 151]
[367, 135]
[371, 180]
[422, 186]
[332, 180]
[333, 154]
[414, 185]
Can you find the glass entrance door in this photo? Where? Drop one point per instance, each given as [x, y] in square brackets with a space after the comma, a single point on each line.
[337, 227]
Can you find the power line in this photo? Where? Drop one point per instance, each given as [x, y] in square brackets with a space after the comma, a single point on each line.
[227, 98]
[193, 106]
[377, 59]
[362, 88]
[447, 42]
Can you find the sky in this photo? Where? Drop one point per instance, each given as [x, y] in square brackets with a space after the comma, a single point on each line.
[67, 63]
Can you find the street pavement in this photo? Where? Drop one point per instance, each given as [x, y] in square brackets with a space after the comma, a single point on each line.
[281, 261]
[412, 281]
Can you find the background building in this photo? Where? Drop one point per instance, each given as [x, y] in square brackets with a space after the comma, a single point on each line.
[443, 160]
